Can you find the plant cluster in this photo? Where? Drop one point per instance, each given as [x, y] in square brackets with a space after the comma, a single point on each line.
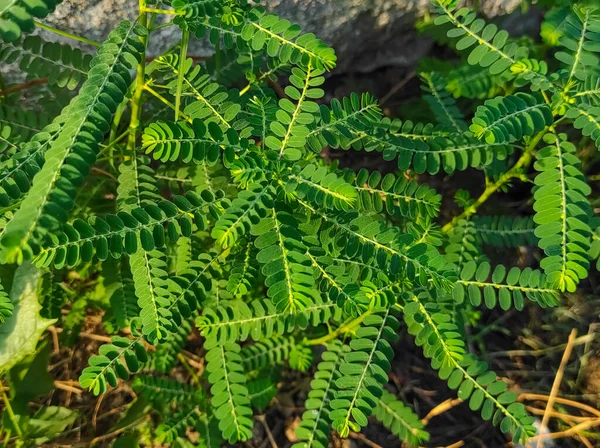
[211, 208]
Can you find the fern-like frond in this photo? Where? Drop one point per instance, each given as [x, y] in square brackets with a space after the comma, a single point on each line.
[363, 372]
[118, 284]
[211, 102]
[442, 343]
[17, 174]
[17, 16]
[229, 392]
[61, 64]
[243, 272]
[115, 360]
[580, 41]
[334, 125]
[505, 231]
[170, 142]
[186, 416]
[287, 269]
[247, 209]
[474, 82]
[147, 228]
[162, 390]
[267, 353]
[163, 359]
[321, 187]
[455, 152]
[398, 196]
[71, 154]
[562, 213]
[588, 92]
[400, 419]
[441, 102]
[587, 119]
[360, 237]
[504, 288]
[510, 118]
[288, 135]
[462, 244]
[283, 40]
[6, 306]
[488, 47]
[314, 428]
[237, 321]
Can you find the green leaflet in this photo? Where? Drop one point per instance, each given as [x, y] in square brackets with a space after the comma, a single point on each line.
[363, 372]
[282, 40]
[506, 288]
[16, 16]
[441, 342]
[400, 419]
[63, 65]
[510, 118]
[70, 155]
[562, 213]
[230, 395]
[314, 426]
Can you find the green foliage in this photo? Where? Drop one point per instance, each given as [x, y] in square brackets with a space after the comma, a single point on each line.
[17, 16]
[230, 394]
[227, 216]
[61, 64]
[510, 118]
[400, 419]
[363, 372]
[562, 213]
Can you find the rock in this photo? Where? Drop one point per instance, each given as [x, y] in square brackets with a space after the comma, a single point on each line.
[366, 34]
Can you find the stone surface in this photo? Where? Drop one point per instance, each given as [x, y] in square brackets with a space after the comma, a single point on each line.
[366, 34]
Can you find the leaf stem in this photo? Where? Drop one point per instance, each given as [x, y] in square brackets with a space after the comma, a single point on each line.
[160, 11]
[66, 34]
[347, 328]
[136, 101]
[185, 38]
[490, 189]
[11, 414]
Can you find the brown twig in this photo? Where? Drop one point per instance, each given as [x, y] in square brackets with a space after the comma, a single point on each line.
[557, 381]
[116, 432]
[575, 404]
[441, 408]
[24, 86]
[261, 418]
[574, 431]
[63, 385]
[397, 87]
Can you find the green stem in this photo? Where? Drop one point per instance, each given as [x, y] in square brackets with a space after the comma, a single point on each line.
[159, 11]
[136, 108]
[185, 38]
[164, 101]
[490, 189]
[66, 34]
[347, 328]
[11, 414]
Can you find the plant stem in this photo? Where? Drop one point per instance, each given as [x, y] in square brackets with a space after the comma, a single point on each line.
[136, 108]
[185, 38]
[159, 11]
[11, 414]
[66, 34]
[347, 328]
[490, 189]
[165, 101]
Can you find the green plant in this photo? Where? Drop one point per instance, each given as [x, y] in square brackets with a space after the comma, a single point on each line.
[213, 208]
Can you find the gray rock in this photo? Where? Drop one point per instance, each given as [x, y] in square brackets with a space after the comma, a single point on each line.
[366, 34]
